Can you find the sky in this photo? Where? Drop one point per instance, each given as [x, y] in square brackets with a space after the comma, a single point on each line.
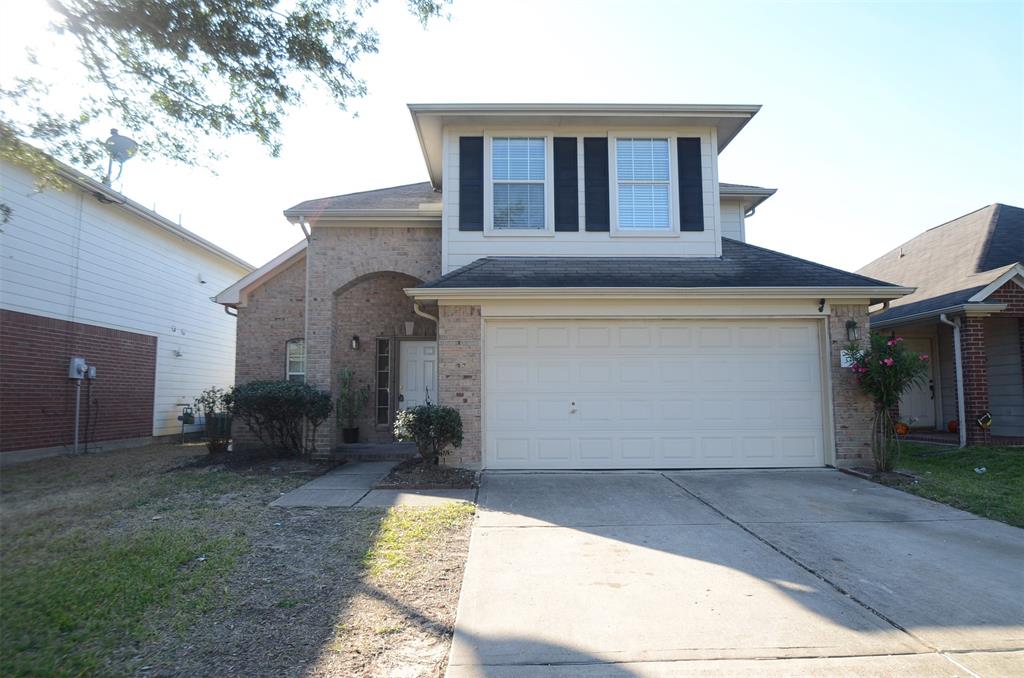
[879, 120]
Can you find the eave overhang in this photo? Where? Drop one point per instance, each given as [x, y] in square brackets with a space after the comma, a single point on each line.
[873, 294]
[969, 310]
[430, 120]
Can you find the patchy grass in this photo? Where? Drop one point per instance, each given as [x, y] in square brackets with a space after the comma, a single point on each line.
[160, 561]
[947, 475]
[405, 535]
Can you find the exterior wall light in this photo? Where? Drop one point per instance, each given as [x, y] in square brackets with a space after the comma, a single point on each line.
[852, 330]
[355, 342]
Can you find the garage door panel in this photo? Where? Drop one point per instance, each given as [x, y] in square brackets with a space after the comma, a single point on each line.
[669, 394]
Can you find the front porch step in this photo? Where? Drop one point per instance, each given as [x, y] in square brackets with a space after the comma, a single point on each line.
[374, 452]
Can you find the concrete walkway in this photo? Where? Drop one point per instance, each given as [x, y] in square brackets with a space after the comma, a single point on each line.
[811, 573]
[351, 486]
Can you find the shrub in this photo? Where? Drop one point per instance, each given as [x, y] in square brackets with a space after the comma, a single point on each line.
[885, 370]
[284, 415]
[351, 400]
[434, 429]
[214, 403]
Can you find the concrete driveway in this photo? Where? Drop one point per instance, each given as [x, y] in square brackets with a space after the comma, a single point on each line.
[733, 573]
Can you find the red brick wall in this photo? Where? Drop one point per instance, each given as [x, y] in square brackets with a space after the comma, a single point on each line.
[37, 400]
[972, 347]
[1012, 295]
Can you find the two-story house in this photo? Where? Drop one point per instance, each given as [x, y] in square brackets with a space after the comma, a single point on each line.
[574, 280]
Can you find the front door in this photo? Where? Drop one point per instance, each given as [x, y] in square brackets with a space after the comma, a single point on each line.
[917, 407]
[417, 373]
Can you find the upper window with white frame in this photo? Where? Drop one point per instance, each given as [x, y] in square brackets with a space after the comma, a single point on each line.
[643, 183]
[295, 368]
[518, 168]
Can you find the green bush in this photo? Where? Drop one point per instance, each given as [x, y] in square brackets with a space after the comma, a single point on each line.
[434, 429]
[284, 415]
[213, 403]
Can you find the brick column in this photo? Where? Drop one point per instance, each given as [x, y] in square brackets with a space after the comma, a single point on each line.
[458, 374]
[852, 409]
[975, 379]
[320, 326]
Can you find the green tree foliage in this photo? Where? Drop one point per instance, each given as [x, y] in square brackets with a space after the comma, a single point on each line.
[434, 429]
[171, 72]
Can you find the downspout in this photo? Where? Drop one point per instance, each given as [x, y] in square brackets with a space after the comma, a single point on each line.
[955, 324]
[885, 307]
[423, 314]
[227, 309]
[305, 229]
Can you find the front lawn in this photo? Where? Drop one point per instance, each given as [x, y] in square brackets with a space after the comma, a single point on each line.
[948, 475]
[150, 561]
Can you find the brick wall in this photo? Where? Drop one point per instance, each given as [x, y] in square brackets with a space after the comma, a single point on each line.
[1012, 295]
[852, 409]
[337, 256]
[370, 307]
[37, 400]
[273, 314]
[458, 376]
[975, 364]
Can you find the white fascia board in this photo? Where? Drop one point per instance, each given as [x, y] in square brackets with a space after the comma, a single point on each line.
[294, 216]
[873, 293]
[972, 310]
[1014, 271]
[232, 296]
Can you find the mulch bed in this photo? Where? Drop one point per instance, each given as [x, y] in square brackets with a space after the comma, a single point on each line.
[258, 462]
[415, 474]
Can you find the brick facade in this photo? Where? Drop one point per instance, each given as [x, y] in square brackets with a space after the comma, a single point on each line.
[458, 376]
[273, 314]
[852, 410]
[373, 306]
[37, 400]
[972, 350]
[339, 255]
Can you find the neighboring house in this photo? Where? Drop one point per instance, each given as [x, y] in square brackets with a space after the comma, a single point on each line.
[87, 272]
[968, 310]
[574, 280]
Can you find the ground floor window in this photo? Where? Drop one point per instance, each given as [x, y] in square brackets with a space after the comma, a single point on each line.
[295, 370]
[383, 394]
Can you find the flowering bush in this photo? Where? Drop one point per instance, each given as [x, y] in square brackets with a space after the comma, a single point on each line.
[885, 370]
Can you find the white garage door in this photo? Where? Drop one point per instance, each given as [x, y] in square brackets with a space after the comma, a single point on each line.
[652, 394]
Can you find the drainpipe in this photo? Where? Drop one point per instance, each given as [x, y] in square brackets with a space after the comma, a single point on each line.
[885, 307]
[423, 314]
[955, 324]
[305, 229]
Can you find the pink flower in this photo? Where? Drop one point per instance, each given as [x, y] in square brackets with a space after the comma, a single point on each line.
[888, 362]
[923, 356]
[895, 340]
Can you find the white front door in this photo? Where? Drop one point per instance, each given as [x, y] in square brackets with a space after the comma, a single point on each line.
[917, 406]
[417, 373]
[569, 394]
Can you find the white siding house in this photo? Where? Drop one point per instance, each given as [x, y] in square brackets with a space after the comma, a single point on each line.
[92, 257]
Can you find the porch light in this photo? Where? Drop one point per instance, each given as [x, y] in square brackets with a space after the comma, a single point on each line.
[852, 330]
[354, 343]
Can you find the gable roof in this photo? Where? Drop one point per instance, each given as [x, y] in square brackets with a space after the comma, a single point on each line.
[236, 293]
[951, 263]
[741, 266]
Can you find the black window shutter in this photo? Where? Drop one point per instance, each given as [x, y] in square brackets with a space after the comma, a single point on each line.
[691, 187]
[595, 182]
[471, 183]
[567, 196]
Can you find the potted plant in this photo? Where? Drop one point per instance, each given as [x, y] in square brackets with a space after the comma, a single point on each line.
[885, 370]
[215, 404]
[350, 404]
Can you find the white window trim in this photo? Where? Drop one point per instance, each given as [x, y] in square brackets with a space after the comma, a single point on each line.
[673, 183]
[288, 374]
[549, 187]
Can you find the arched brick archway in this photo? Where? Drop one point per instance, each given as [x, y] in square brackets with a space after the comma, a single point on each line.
[374, 308]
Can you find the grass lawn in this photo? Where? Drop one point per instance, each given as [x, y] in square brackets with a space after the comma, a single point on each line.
[947, 475]
[150, 561]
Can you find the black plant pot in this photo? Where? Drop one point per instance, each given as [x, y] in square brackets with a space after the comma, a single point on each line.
[350, 435]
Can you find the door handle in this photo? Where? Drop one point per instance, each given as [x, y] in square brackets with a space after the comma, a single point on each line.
[572, 407]
[931, 387]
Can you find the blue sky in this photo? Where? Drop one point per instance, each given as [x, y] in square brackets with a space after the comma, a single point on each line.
[878, 120]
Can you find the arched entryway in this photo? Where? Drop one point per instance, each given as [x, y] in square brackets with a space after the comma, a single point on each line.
[374, 327]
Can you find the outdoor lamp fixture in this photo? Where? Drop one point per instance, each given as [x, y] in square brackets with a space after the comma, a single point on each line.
[852, 330]
[354, 343]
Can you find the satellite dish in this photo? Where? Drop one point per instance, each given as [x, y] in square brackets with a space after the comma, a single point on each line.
[121, 149]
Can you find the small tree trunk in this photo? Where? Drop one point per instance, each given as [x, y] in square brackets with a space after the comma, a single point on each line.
[884, 445]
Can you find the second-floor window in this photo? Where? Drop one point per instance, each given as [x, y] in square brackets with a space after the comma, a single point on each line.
[517, 178]
[295, 352]
[643, 183]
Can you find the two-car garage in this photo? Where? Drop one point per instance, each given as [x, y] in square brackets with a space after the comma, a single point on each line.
[649, 393]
